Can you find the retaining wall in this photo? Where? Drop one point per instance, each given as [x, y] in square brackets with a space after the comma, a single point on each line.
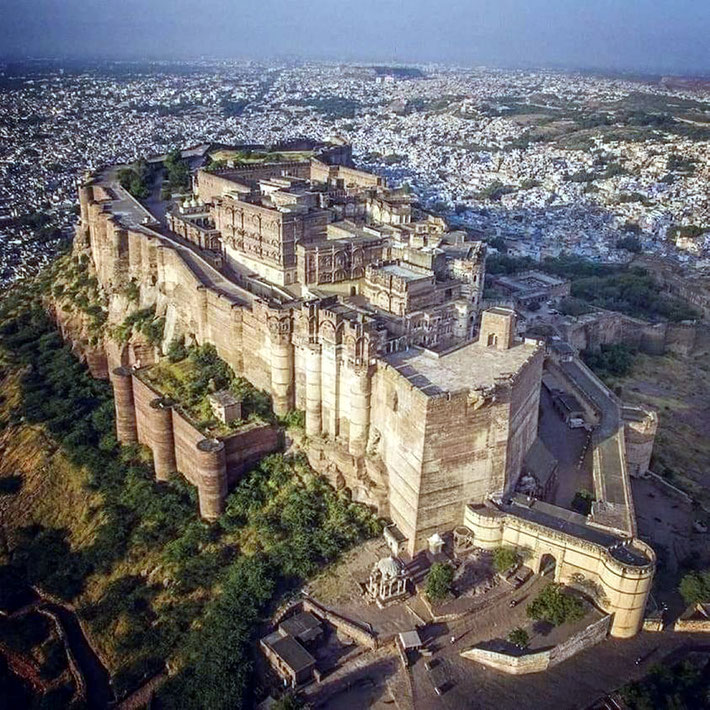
[212, 465]
[542, 660]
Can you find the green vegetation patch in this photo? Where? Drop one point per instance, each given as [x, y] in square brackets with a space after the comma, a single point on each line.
[142, 321]
[682, 686]
[154, 583]
[615, 360]
[438, 581]
[136, 179]
[76, 289]
[556, 606]
[189, 375]
[504, 558]
[177, 172]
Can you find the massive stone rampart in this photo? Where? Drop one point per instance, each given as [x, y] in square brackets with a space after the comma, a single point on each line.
[212, 465]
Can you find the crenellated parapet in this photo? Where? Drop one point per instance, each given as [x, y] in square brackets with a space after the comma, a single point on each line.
[615, 572]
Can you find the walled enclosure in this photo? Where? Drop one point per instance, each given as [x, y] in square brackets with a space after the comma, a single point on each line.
[542, 660]
[622, 587]
[429, 431]
[211, 465]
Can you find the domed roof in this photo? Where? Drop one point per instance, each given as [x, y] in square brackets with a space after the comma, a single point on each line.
[388, 567]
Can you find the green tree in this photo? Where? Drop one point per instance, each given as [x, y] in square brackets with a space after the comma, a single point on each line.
[504, 558]
[695, 587]
[582, 502]
[553, 604]
[177, 350]
[519, 637]
[438, 581]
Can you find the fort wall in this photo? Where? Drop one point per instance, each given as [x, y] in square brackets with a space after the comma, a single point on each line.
[212, 465]
[622, 589]
[541, 660]
[591, 331]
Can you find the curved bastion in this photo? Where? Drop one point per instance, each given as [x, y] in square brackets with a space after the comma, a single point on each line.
[616, 572]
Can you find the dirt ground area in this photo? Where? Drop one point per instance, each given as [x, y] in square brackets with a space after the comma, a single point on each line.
[679, 388]
[666, 521]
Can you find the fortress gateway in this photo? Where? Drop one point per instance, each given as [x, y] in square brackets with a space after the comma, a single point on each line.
[342, 299]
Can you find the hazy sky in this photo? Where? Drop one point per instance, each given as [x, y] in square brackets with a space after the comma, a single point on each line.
[657, 35]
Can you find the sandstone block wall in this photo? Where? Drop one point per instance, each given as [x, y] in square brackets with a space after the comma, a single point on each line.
[211, 465]
[542, 660]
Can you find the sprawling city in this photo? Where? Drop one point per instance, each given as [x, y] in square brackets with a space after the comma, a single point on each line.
[353, 384]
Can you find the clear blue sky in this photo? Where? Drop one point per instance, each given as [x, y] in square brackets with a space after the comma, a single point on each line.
[647, 35]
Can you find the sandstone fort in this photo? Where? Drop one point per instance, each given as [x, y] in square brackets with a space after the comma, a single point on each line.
[344, 300]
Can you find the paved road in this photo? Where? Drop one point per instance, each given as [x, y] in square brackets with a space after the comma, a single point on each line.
[566, 445]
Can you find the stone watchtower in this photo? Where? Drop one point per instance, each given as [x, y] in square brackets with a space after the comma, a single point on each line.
[498, 328]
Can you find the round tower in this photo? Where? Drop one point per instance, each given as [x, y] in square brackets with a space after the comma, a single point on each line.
[212, 482]
[160, 431]
[626, 576]
[359, 409]
[313, 391]
[281, 365]
[122, 381]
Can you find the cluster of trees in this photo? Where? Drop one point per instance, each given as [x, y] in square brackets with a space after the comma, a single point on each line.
[75, 288]
[233, 107]
[630, 243]
[574, 307]
[555, 606]
[695, 587]
[495, 191]
[330, 106]
[519, 637]
[202, 603]
[504, 558]
[177, 172]
[136, 179]
[143, 321]
[615, 360]
[632, 291]
[683, 686]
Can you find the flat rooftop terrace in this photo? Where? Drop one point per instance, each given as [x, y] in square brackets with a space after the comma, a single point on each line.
[471, 367]
[403, 271]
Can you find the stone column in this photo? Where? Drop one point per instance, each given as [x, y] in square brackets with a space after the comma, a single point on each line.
[313, 390]
[329, 389]
[122, 381]
[281, 367]
[85, 196]
[211, 477]
[160, 431]
[359, 409]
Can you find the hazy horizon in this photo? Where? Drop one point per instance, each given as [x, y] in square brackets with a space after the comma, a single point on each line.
[633, 36]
